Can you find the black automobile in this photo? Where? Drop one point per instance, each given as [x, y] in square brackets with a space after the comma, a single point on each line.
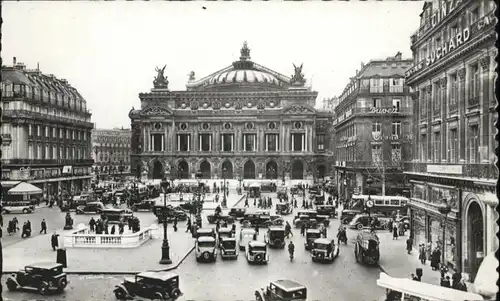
[347, 215]
[92, 207]
[326, 210]
[261, 219]
[237, 212]
[360, 221]
[171, 214]
[150, 285]
[143, 206]
[323, 219]
[222, 217]
[284, 208]
[311, 236]
[275, 237]
[43, 277]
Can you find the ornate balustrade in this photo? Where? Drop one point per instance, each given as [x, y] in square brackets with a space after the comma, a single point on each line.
[82, 238]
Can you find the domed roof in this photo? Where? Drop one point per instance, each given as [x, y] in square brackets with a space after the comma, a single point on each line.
[241, 73]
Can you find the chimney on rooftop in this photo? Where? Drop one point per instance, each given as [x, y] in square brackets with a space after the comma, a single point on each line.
[14, 61]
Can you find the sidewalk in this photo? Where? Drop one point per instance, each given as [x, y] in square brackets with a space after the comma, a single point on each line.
[396, 262]
[99, 260]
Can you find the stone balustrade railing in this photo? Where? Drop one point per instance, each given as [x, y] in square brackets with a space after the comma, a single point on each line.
[83, 238]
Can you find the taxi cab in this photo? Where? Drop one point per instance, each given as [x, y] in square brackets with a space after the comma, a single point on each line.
[311, 235]
[275, 237]
[227, 247]
[256, 252]
[282, 290]
[246, 235]
[205, 249]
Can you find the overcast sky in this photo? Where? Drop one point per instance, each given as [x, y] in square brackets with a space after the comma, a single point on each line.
[109, 50]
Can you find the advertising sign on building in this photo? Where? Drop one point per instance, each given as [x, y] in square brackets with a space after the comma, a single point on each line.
[445, 169]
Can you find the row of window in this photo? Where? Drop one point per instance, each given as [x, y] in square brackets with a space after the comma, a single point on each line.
[52, 132]
[368, 105]
[117, 158]
[46, 151]
[60, 113]
[248, 142]
[350, 154]
[349, 131]
[437, 93]
[375, 85]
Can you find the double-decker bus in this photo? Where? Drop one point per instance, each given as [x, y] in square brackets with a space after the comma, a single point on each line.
[387, 205]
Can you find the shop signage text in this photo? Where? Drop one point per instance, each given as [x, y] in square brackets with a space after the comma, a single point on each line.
[453, 43]
[375, 110]
[447, 7]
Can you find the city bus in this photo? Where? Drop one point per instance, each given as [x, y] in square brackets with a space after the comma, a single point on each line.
[387, 205]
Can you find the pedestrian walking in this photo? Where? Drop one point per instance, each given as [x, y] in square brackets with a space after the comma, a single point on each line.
[422, 256]
[302, 229]
[175, 224]
[121, 228]
[435, 259]
[92, 224]
[113, 230]
[43, 227]
[409, 243]
[54, 241]
[246, 202]
[188, 224]
[395, 232]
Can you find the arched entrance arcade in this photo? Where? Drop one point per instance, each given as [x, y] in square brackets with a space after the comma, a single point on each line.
[271, 170]
[475, 238]
[206, 169]
[158, 170]
[183, 170]
[227, 170]
[249, 170]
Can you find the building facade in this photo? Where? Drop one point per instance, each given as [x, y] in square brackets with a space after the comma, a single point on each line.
[453, 121]
[45, 131]
[372, 129]
[242, 122]
[111, 150]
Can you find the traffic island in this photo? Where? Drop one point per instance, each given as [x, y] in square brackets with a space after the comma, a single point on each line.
[83, 261]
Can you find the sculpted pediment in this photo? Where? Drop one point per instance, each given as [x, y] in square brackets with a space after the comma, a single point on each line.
[156, 111]
[299, 109]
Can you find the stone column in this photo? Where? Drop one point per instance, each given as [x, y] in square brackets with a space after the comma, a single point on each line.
[429, 118]
[262, 139]
[166, 141]
[145, 138]
[312, 139]
[196, 138]
[416, 128]
[461, 114]
[173, 137]
[485, 107]
[444, 102]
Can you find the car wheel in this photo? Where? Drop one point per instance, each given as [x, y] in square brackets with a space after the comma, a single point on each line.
[258, 297]
[277, 242]
[61, 284]
[44, 288]
[176, 293]
[26, 211]
[206, 255]
[11, 284]
[386, 226]
[360, 226]
[158, 296]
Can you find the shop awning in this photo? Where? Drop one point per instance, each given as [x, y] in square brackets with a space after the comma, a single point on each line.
[24, 188]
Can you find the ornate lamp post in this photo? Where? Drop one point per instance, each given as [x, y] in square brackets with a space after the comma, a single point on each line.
[224, 200]
[198, 202]
[165, 247]
[444, 209]
[369, 202]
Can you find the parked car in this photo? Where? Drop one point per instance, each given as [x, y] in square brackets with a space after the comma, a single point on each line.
[92, 207]
[347, 215]
[282, 290]
[43, 277]
[366, 249]
[311, 236]
[275, 237]
[208, 232]
[284, 208]
[326, 210]
[206, 249]
[362, 220]
[151, 285]
[256, 252]
[213, 218]
[261, 219]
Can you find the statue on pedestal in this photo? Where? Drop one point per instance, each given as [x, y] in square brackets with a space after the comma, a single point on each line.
[160, 81]
[68, 222]
[298, 78]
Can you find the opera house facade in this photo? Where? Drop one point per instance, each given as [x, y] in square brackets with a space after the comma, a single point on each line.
[244, 121]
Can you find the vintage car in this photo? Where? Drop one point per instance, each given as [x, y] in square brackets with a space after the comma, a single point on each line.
[326, 210]
[227, 247]
[282, 290]
[213, 218]
[172, 213]
[256, 252]
[405, 220]
[237, 212]
[43, 277]
[116, 216]
[319, 199]
[268, 186]
[275, 220]
[366, 249]
[151, 285]
[206, 249]
[254, 190]
[284, 208]
[17, 207]
[319, 250]
[261, 219]
[208, 232]
[281, 192]
[246, 235]
[92, 207]
[308, 220]
[143, 205]
[311, 235]
[224, 232]
[347, 215]
[275, 237]
[323, 219]
[362, 220]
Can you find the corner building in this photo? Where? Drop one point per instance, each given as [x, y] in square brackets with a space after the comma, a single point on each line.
[46, 131]
[453, 121]
[372, 129]
[242, 122]
[111, 150]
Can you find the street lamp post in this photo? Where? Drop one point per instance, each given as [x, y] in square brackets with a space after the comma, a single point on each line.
[198, 204]
[369, 202]
[224, 200]
[165, 247]
[444, 209]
